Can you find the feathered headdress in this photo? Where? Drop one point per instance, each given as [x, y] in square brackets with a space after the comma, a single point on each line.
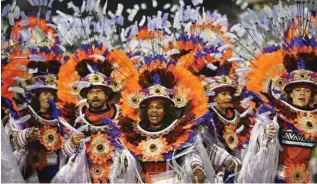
[281, 57]
[157, 79]
[31, 71]
[93, 65]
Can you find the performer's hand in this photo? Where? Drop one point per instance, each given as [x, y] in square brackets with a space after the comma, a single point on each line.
[199, 176]
[77, 137]
[219, 177]
[232, 162]
[271, 130]
[33, 134]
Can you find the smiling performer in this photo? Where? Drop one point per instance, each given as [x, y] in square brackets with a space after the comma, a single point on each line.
[161, 105]
[283, 79]
[37, 135]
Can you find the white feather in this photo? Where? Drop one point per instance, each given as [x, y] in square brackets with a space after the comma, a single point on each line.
[227, 46]
[97, 56]
[240, 129]
[97, 4]
[132, 15]
[245, 112]
[16, 12]
[221, 21]
[136, 6]
[181, 3]
[244, 5]
[244, 69]
[245, 101]
[174, 8]
[154, 3]
[142, 21]
[197, 2]
[81, 102]
[17, 90]
[11, 19]
[31, 71]
[72, 6]
[111, 14]
[143, 6]
[167, 6]
[211, 66]
[83, 6]
[235, 59]
[52, 26]
[122, 37]
[61, 14]
[176, 23]
[234, 27]
[104, 9]
[187, 27]
[119, 9]
[230, 35]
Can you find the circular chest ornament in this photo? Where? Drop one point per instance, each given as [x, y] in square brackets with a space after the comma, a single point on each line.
[99, 149]
[51, 138]
[231, 138]
[307, 124]
[297, 174]
[153, 149]
[99, 173]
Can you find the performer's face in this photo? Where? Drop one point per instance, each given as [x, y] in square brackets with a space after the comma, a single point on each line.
[44, 98]
[155, 111]
[301, 96]
[223, 99]
[97, 98]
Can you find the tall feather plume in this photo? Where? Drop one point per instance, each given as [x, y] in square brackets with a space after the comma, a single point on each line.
[103, 67]
[167, 78]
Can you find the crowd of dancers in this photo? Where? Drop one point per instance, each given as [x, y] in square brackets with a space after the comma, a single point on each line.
[179, 96]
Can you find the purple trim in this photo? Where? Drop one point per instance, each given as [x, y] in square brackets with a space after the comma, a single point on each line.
[271, 49]
[149, 59]
[85, 47]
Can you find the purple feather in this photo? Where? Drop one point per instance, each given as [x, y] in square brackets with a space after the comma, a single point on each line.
[108, 121]
[301, 64]
[156, 79]
[85, 47]
[45, 49]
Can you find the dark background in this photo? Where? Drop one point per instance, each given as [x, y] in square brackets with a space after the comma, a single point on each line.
[227, 7]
